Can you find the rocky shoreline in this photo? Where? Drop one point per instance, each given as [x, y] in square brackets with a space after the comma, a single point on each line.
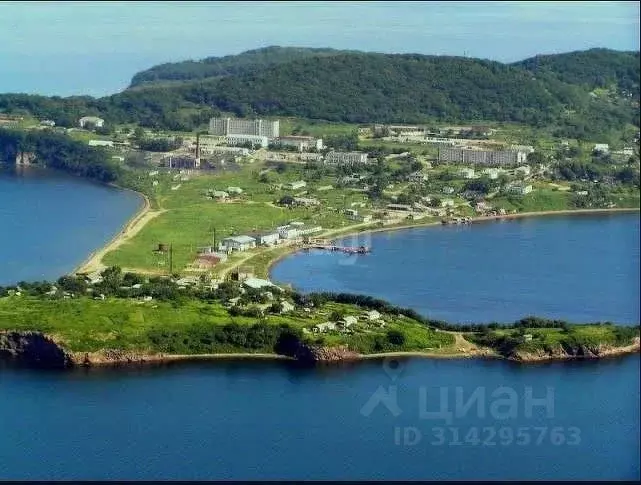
[581, 352]
[35, 349]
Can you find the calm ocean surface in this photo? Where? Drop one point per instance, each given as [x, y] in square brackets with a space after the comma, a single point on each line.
[581, 268]
[250, 420]
[50, 222]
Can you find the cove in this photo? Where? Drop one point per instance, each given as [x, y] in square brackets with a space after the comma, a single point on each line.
[581, 268]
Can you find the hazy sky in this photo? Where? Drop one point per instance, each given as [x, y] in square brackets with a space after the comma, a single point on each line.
[94, 48]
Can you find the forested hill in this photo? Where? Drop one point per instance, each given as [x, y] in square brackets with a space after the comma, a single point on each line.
[249, 61]
[556, 90]
[594, 68]
[399, 88]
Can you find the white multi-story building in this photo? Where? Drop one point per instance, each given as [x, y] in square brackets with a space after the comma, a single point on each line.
[238, 126]
[255, 140]
[481, 157]
[302, 143]
[346, 158]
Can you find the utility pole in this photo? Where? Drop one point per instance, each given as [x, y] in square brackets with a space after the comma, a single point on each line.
[171, 259]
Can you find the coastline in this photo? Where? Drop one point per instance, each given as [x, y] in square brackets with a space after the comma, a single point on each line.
[99, 359]
[130, 228]
[473, 220]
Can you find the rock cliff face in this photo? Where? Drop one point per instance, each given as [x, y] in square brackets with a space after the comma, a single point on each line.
[113, 357]
[311, 354]
[33, 349]
[579, 352]
[25, 158]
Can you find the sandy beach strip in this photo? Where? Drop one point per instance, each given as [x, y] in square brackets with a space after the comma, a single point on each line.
[130, 229]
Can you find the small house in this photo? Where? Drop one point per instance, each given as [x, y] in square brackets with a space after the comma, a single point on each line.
[296, 185]
[348, 321]
[448, 190]
[519, 189]
[91, 120]
[257, 283]
[306, 202]
[100, 143]
[267, 238]
[234, 190]
[372, 315]
[286, 307]
[219, 194]
[492, 173]
[324, 327]
[238, 243]
[287, 232]
[466, 173]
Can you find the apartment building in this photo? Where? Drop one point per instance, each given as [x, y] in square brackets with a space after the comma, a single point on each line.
[238, 126]
[346, 158]
[255, 140]
[482, 157]
[301, 143]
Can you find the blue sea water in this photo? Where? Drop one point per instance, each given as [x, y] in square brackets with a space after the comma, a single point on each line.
[270, 420]
[582, 268]
[50, 222]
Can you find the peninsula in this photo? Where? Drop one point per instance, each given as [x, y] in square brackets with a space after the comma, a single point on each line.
[237, 171]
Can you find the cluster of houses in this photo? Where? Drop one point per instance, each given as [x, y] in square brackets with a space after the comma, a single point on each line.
[288, 232]
[345, 324]
[223, 195]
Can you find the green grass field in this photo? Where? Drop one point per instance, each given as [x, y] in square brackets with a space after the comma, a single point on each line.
[190, 218]
[85, 325]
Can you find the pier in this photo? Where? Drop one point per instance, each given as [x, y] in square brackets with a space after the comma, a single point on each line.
[343, 249]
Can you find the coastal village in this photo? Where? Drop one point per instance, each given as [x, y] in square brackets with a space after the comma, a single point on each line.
[340, 180]
[223, 205]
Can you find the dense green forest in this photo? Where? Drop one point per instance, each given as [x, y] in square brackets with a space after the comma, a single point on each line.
[594, 68]
[60, 152]
[249, 61]
[359, 87]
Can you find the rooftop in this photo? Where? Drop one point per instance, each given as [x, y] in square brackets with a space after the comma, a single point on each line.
[240, 239]
[257, 283]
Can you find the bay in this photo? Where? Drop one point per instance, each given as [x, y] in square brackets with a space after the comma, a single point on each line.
[581, 268]
[50, 222]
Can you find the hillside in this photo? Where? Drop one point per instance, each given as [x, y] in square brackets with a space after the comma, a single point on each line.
[249, 61]
[555, 90]
[594, 68]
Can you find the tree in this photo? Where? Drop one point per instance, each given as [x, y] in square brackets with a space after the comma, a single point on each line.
[483, 185]
[139, 134]
[286, 200]
[395, 337]
[536, 158]
[336, 316]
